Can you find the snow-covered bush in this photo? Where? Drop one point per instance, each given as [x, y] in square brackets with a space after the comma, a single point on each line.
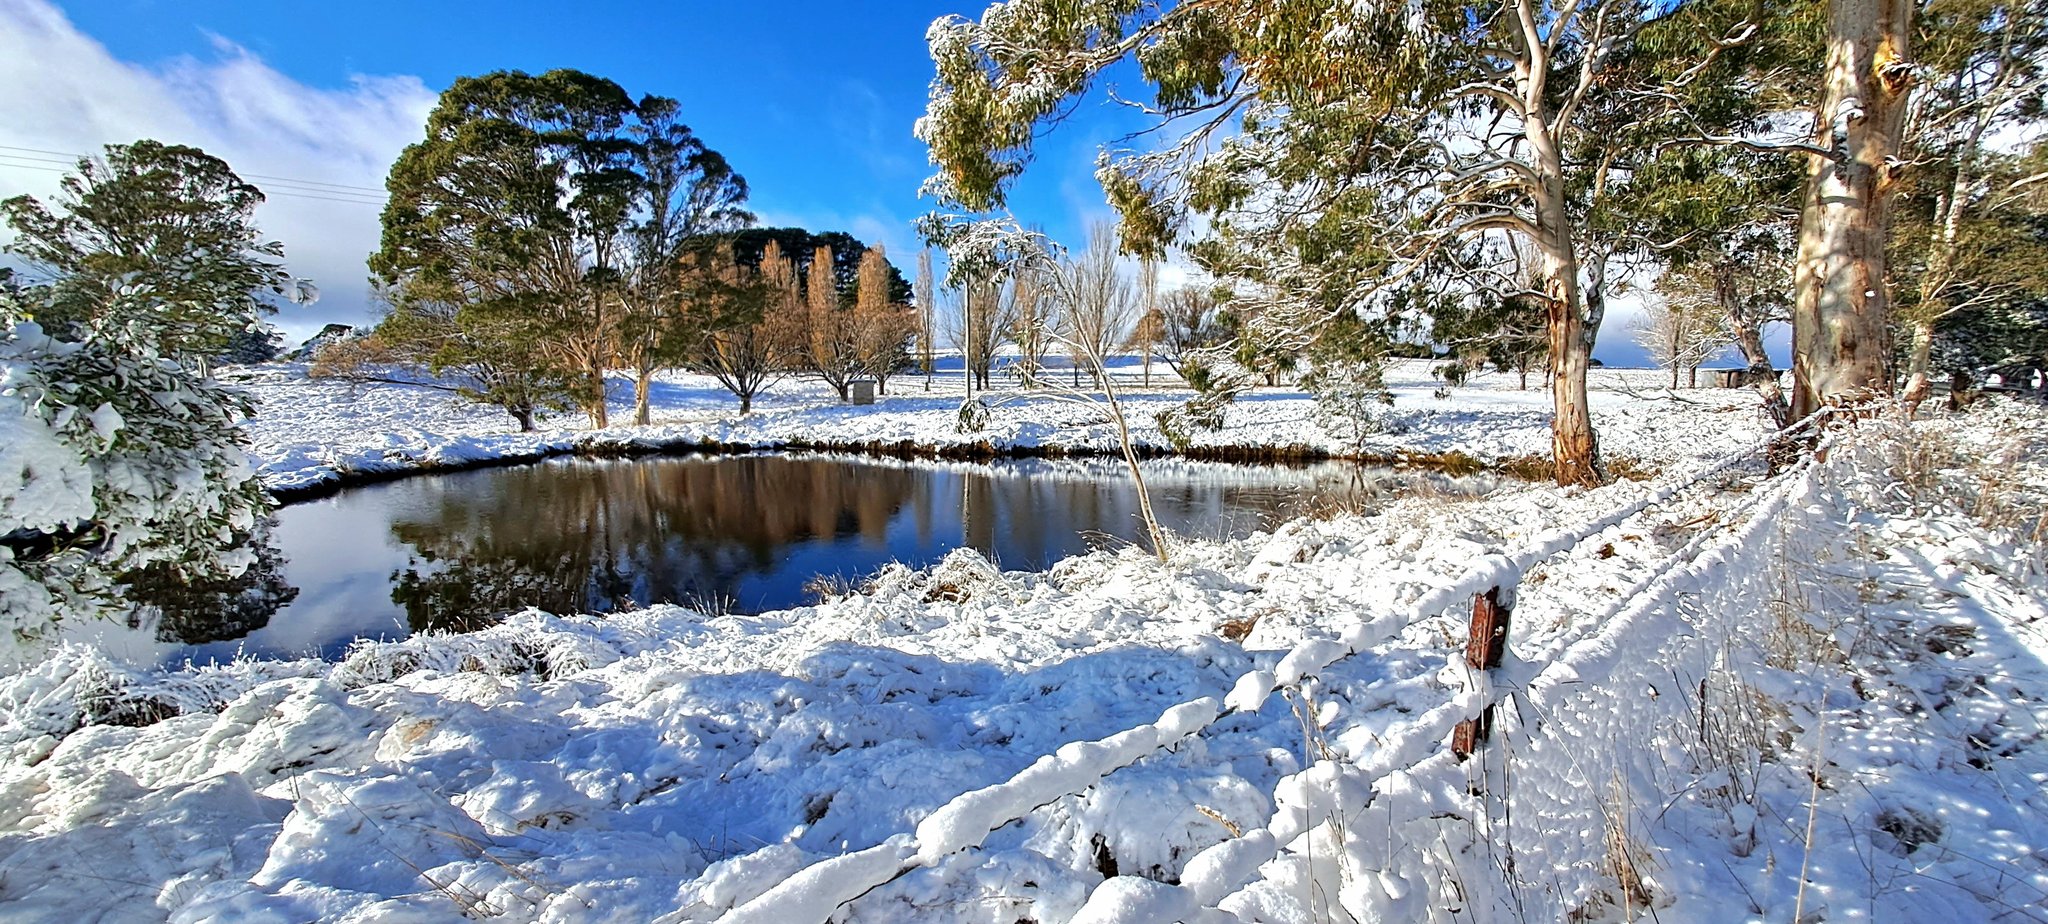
[112, 459]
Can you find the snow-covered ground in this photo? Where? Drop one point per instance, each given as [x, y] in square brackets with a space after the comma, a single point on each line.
[1851, 729]
[310, 432]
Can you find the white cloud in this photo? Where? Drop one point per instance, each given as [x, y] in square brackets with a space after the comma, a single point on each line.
[65, 92]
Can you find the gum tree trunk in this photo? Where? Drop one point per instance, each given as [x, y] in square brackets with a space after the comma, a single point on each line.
[1574, 450]
[643, 383]
[600, 416]
[1840, 310]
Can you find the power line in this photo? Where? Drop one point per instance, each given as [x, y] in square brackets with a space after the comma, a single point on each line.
[336, 188]
[292, 192]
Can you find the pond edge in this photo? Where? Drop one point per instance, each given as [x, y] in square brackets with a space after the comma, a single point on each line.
[1453, 462]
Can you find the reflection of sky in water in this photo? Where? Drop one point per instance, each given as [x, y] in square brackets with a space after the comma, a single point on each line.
[747, 532]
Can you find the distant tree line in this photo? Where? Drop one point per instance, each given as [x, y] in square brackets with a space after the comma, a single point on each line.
[551, 228]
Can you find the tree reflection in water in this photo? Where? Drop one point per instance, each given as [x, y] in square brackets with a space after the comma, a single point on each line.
[194, 613]
[597, 537]
[734, 533]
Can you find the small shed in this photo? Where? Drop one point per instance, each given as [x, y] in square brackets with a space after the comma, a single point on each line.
[861, 391]
[1730, 378]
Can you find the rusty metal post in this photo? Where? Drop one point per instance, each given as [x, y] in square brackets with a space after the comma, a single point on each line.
[1483, 652]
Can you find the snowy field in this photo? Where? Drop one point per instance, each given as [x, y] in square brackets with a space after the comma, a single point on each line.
[1813, 696]
[309, 432]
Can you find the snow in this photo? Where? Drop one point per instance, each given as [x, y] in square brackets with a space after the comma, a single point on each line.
[1086, 744]
[313, 432]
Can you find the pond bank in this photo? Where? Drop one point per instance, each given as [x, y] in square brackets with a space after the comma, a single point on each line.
[1454, 463]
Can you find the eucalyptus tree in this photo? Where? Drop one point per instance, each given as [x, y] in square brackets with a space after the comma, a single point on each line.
[1841, 293]
[517, 209]
[686, 195]
[1338, 148]
[1964, 241]
[488, 358]
[1723, 221]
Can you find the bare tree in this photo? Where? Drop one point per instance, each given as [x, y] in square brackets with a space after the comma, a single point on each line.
[1188, 322]
[1095, 310]
[1746, 289]
[1679, 335]
[976, 329]
[1026, 321]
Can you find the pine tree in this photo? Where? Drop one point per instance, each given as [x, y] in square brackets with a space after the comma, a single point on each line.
[170, 221]
[130, 468]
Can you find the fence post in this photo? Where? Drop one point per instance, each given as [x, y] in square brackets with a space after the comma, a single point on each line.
[1483, 651]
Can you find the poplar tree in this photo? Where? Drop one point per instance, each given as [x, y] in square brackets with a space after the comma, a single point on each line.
[880, 327]
[832, 354]
[926, 293]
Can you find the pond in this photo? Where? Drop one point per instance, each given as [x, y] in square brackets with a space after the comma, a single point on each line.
[745, 533]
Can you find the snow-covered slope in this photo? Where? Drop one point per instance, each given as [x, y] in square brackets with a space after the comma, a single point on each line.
[667, 764]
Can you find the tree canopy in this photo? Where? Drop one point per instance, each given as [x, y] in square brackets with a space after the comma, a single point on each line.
[556, 212]
[1335, 153]
[170, 220]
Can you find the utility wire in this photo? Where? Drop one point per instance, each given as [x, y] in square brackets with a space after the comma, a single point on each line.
[309, 186]
[295, 192]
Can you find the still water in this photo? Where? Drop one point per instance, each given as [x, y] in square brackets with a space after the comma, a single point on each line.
[746, 533]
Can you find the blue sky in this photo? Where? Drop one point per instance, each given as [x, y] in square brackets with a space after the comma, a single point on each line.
[813, 102]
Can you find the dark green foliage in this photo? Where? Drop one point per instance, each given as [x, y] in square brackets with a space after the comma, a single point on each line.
[252, 345]
[799, 244]
[541, 229]
[215, 607]
[2010, 339]
[170, 221]
[153, 473]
